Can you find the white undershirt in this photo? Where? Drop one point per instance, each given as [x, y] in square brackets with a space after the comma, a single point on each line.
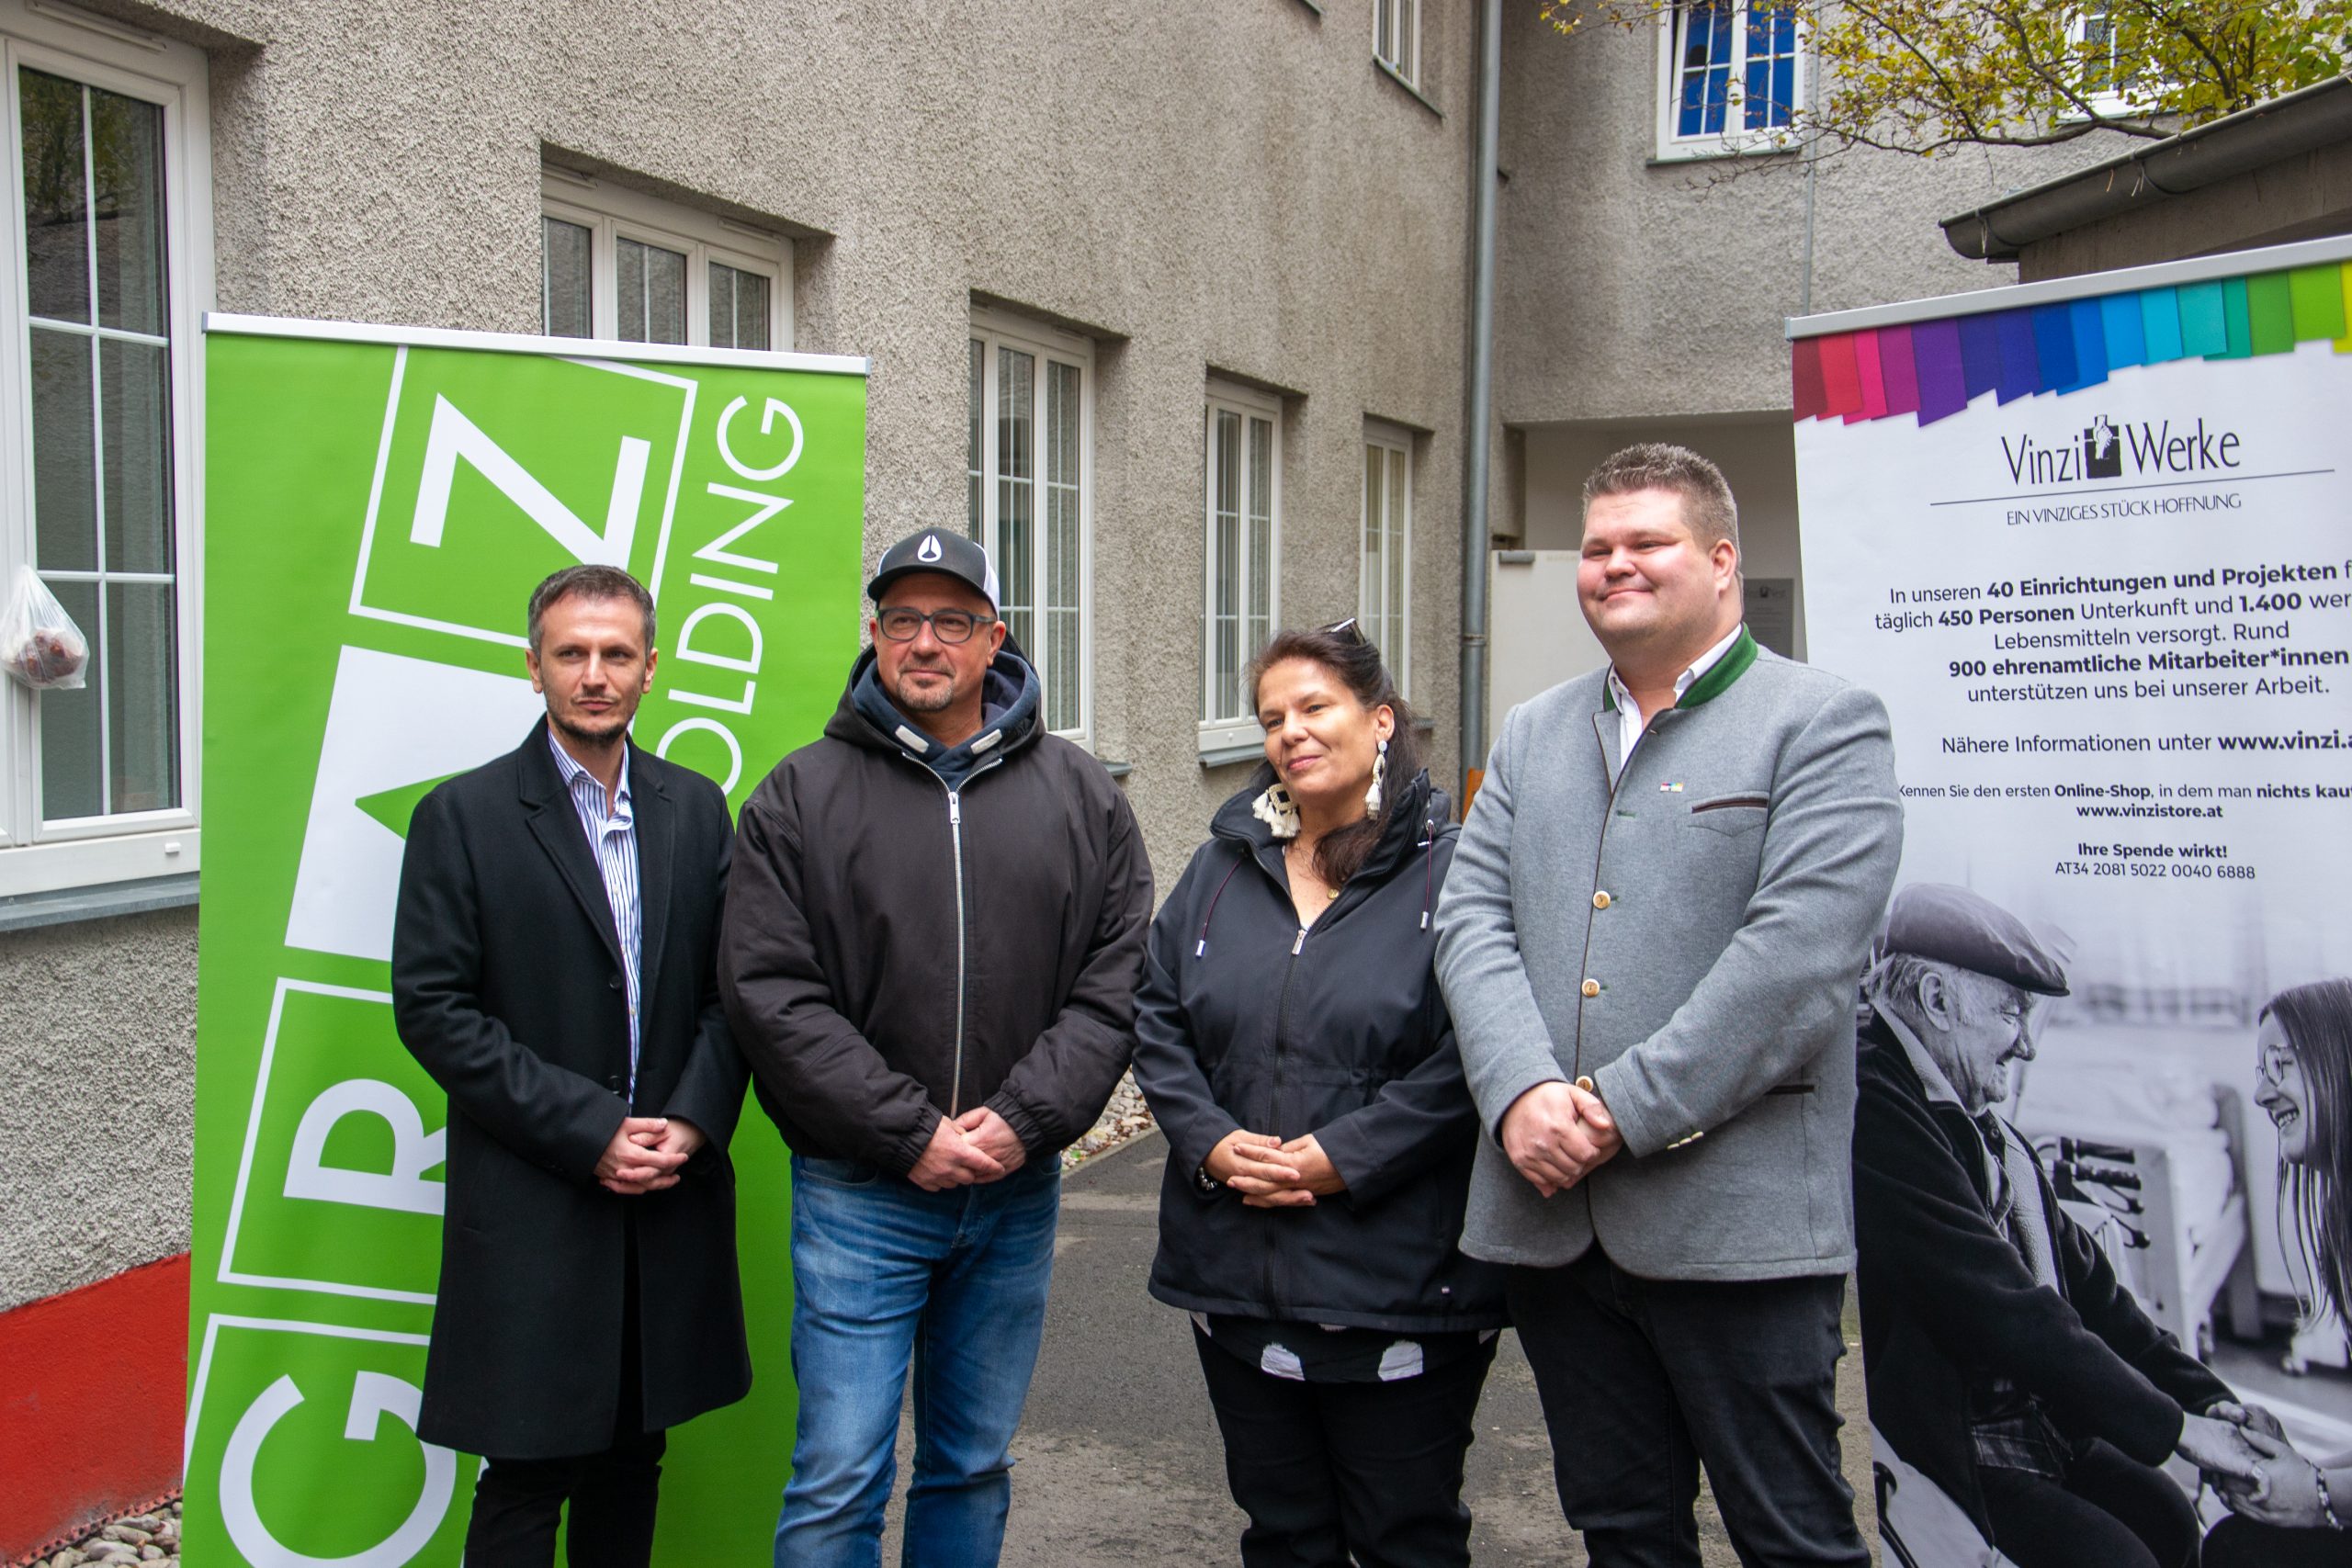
[1629, 712]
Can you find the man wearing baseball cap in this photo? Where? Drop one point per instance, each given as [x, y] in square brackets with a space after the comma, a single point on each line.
[934, 927]
[2004, 1359]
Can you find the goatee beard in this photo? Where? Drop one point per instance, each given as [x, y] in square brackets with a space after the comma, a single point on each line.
[594, 737]
[910, 698]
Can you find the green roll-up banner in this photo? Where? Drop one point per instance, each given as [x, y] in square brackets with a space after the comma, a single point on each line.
[380, 504]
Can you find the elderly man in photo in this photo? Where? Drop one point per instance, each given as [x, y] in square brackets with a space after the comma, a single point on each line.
[1664, 895]
[2005, 1362]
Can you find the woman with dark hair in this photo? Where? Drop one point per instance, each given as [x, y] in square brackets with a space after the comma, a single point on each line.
[1297, 1053]
[2303, 1080]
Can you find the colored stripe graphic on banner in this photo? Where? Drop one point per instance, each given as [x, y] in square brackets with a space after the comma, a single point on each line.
[1933, 369]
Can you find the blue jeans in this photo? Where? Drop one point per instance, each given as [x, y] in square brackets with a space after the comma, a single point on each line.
[885, 1274]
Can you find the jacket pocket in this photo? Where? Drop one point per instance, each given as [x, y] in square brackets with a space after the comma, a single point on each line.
[1732, 814]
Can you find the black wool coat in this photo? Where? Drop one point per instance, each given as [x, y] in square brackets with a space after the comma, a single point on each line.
[1339, 1032]
[508, 985]
[1948, 1304]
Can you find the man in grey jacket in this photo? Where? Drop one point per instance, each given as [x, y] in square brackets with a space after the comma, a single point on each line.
[1660, 906]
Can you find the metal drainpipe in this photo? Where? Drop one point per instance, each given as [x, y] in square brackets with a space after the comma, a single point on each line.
[1477, 436]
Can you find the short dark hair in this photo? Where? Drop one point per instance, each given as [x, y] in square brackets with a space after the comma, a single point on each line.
[1346, 652]
[591, 583]
[1707, 505]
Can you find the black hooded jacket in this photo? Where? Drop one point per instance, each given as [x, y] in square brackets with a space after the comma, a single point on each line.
[1245, 1021]
[895, 951]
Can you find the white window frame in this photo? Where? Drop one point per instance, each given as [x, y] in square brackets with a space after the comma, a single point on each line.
[116, 58]
[2124, 94]
[1397, 38]
[1734, 139]
[999, 329]
[612, 213]
[1227, 731]
[1383, 437]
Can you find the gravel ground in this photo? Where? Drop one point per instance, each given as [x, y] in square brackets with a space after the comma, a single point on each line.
[1125, 1117]
[151, 1537]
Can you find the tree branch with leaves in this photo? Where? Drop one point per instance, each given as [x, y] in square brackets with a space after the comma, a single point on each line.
[1924, 77]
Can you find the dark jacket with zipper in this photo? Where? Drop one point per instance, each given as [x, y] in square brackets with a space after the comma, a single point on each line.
[1948, 1305]
[1339, 1031]
[896, 951]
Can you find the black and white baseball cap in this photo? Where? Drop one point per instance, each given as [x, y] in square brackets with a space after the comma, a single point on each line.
[941, 550]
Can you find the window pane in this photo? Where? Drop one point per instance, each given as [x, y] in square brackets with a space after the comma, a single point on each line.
[652, 293]
[1704, 62]
[1016, 392]
[57, 228]
[564, 286]
[141, 698]
[1370, 581]
[65, 513]
[972, 442]
[1226, 536]
[134, 391]
[1062, 668]
[72, 762]
[738, 309]
[127, 157]
[1262, 538]
[1771, 67]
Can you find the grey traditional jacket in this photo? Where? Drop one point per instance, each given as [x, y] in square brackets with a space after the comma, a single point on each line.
[1691, 939]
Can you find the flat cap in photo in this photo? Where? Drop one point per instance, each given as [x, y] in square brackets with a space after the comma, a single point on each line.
[943, 550]
[1952, 925]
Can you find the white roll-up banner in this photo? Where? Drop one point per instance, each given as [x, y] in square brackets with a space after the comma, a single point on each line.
[2091, 541]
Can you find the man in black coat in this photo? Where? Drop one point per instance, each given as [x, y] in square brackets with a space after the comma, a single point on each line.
[2004, 1359]
[553, 968]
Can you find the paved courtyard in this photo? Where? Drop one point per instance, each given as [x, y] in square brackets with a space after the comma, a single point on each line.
[1118, 1459]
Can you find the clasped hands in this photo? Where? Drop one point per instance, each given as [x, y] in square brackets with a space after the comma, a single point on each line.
[1556, 1134]
[965, 1151]
[1271, 1174]
[2258, 1471]
[645, 1155]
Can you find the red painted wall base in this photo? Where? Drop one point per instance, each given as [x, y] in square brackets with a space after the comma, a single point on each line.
[93, 1395]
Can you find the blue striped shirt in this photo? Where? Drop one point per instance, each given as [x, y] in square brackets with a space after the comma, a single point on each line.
[612, 839]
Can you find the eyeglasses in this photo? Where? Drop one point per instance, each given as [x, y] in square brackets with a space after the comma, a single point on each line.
[2274, 1064]
[947, 626]
[1347, 630]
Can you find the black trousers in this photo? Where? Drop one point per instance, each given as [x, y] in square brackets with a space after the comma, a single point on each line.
[1643, 1381]
[1334, 1472]
[2110, 1510]
[517, 1502]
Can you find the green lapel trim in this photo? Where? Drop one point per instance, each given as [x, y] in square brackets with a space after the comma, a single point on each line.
[1608, 695]
[1718, 679]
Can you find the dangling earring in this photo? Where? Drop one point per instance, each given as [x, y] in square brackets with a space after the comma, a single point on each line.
[1372, 797]
[1277, 810]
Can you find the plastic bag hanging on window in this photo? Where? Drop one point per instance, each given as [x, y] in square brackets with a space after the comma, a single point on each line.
[40, 644]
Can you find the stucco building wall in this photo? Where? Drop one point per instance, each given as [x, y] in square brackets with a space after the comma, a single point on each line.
[1646, 299]
[1230, 189]
[98, 1046]
[1633, 286]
